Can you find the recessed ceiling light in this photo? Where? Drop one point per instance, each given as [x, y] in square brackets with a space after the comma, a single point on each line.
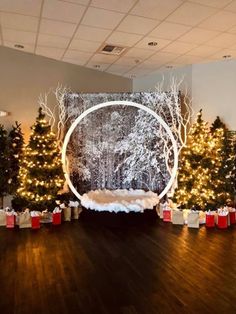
[19, 46]
[96, 66]
[3, 113]
[152, 43]
[226, 56]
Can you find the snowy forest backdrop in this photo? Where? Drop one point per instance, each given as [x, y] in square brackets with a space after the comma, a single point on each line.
[121, 147]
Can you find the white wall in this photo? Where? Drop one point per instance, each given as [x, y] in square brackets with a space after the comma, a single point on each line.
[212, 87]
[214, 90]
[23, 76]
[148, 83]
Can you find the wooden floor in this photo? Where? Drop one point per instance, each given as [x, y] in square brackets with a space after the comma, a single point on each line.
[108, 263]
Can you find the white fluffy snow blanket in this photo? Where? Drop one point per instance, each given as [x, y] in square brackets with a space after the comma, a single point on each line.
[119, 200]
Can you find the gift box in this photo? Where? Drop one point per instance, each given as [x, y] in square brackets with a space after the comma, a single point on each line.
[75, 209]
[162, 206]
[223, 218]
[167, 215]
[232, 217]
[35, 219]
[222, 222]
[210, 219]
[193, 219]
[56, 216]
[66, 213]
[2, 217]
[35, 222]
[158, 209]
[25, 219]
[177, 217]
[45, 217]
[10, 220]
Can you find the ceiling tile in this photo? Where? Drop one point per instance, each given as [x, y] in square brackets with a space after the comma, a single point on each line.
[231, 6]
[156, 9]
[53, 41]
[169, 30]
[19, 22]
[162, 57]
[138, 53]
[224, 52]
[221, 21]
[224, 40]
[213, 3]
[95, 66]
[179, 47]
[198, 36]
[84, 2]
[232, 30]
[80, 56]
[84, 45]
[118, 69]
[188, 59]
[123, 39]
[114, 5]
[203, 51]
[191, 14]
[62, 11]
[19, 37]
[74, 61]
[138, 72]
[128, 61]
[27, 48]
[233, 47]
[137, 25]
[161, 43]
[102, 18]
[26, 7]
[102, 58]
[57, 28]
[92, 33]
[49, 52]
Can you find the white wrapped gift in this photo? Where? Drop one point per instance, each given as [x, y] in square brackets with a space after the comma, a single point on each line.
[193, 219]
[177, 217]
[2, 217]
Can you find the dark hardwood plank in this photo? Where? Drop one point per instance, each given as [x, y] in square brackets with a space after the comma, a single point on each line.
[117, 263]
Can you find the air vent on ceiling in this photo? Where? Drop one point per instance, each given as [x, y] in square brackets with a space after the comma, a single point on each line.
[112, 50]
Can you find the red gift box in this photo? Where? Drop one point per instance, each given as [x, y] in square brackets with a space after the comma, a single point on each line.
[222, 222]
[210, 221]
[10, 221]
[167, 215]
[35, 221]
[232, 218]
[56, 218]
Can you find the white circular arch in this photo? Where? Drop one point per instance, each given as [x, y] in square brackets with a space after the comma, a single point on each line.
[115, 103]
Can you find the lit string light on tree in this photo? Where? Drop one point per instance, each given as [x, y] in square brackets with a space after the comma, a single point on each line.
[41, 174]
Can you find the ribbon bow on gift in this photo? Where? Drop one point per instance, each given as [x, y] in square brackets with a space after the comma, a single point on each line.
[56, 210]
[73, 204]
[34, 213]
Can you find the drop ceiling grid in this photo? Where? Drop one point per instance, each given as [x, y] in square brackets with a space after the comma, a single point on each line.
[63, 43]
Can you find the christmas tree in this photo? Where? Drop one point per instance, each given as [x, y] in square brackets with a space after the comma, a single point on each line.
[199, 161]
[224, 178]
[4, 164]
[15, 150]
[41, 175]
